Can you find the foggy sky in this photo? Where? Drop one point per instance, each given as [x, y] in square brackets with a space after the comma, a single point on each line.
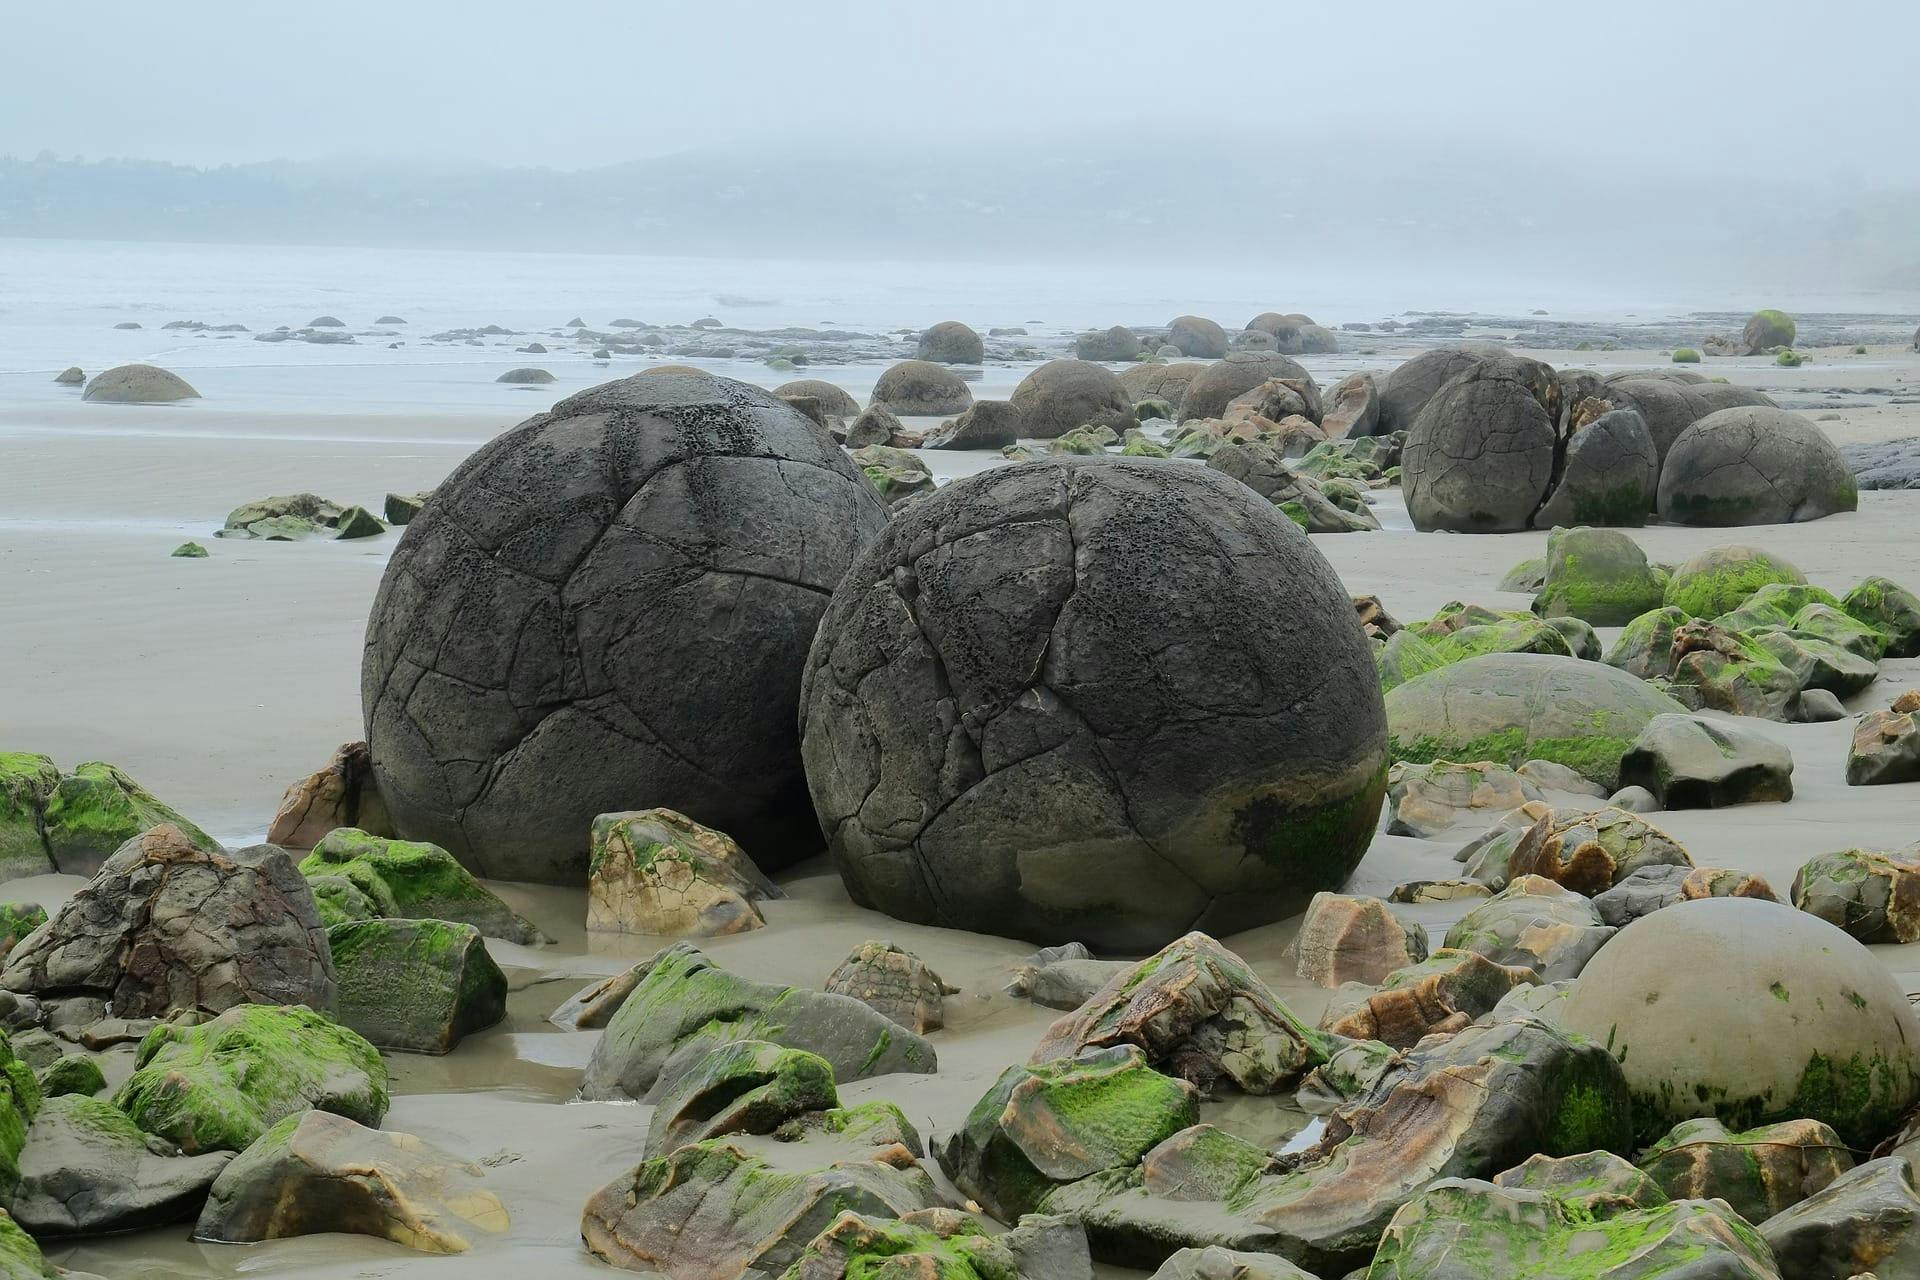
[1819, 92]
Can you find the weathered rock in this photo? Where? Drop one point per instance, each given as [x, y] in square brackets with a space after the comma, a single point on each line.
[1800, 1021]
[715, 1210]
[341, 795]
[1426, 800]
[1064, 394]
[420, 986]
[1345, 939]
[526, 377]
[1483, 452]
[1649, 888]
[1600, 576]
[219, 1085]
[1509, 708]
[1112, 346]
[71, 1073]
[1873, 896]
[1754, 465]
[659, 872]
[920, 388]
[989, 424]
[27, 782]
[1589, 853]
[1215, 1263]
[951, 342]
[1444, 992]
[1220, 383]
[1759, 1172]
[749, 1086]
[1352, 408]
[893, 982]
[877, 425]
[1197, 337]
[634, 621]
[1868, 1217]
[1409, 386]
[1598, 1183]
[315, 1172]
[1260, 467]
[1610, 474]
[945, 1243]
[1890, 609]
[1198, 1012]
[1278, 400]
[167, 926]
[1164, 382]
[1043, 1126]
[1689, 762]
[896, 474]
[415, 880]
[1721, 579]
[1885, 749]
[685, 1005]
[1534, 923]
[834, 400]
[88, 1170]
[96, 809]
[19, 1103]
[1466, 1229]
[1063, 977]
[1766, 330]
[1071, 698]
[71, 376]
[138, 384]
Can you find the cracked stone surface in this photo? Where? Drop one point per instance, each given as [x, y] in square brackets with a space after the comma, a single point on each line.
[1224, 381]
[1409, 386]
[1064, 394]
[1483, 452]
[341, 795]
[1160, 381]
[893, 982]
[921, 387]
[1670, 402]
[1610, 474]
[619, 593]
[168, 926]
[1754, 465]
[1093, 698]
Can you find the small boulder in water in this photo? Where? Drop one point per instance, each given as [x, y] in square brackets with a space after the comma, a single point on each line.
[525, 377]
[70, 377]
[138, 384]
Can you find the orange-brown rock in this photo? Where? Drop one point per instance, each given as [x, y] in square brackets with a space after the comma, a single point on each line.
[1350, 939]
[341, 795]
[1443, 993]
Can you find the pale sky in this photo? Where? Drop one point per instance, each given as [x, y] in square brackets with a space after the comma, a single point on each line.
[1823, 91]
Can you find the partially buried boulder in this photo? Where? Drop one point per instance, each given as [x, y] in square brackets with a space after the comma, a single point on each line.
[1691, 762]
[660, 872]
[1759, 1171]
[895, 474]
[72, 376]
[1064, 394]
[219, 1085]
[748, 1086]
[1197, 337]
[1800, 1021]
[168, 926]
[1345, 939]
[1754, 466]
[1424, 800]
[416, 881]
[316, 1172]
[1720, 579]
[1165, 382]
[951, 342]
[921, 388]
[686, 1005]
[1536, 924]
[1600, 576]
[988, 424]
[894, 982]
[1885, 749]
[528, 377]
[1766, 330]
[27, 782]
[833, 398]
[634, 620]
[420, 986]
[138, 384]
[96, 809]
[1610, 475]
[89, 1170]
[1105, 778]
[1111, 345]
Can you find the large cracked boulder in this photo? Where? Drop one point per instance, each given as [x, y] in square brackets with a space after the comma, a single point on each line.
[1405, 390]
[1669, 403]
[1102, 699]
[1485, 449]
[168, 926]
[1167, 382]
[951, 342]
[1610, 474]
[1064, 394]
[1224, 381]
[617, 596]
[1799, 1022]
[1754, 465]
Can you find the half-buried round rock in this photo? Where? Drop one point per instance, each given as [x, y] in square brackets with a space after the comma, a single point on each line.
[834, 399]
[951, 342]
[1752, 1011]
[1224, 381]
[1198, 337]
[1404, 392]
[1094, 699]
[920, 388]
[1754, 465]
[608, 608]
[1513, 707]
[526, 377]
[138, 384]
[1063, 394]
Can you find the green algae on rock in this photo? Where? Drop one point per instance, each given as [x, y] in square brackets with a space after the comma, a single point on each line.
[219, 1085]
[1720, 579]
[748, 1086]
[1888, 608]
[415, 880]
[71, 1073]
[416, 985]
[1600, 576]
[19, 1103]
[20, 1256]
[27, 783]
[1760, 1172]
[96, 809]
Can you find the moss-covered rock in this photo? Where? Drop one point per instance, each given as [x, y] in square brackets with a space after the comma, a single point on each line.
[1766, 330]
[1686, 355]
[1890, 609]
[318, 1172]
[1040, 1127]
[1720, 579]
[96, 809]
[219, 1085]
[71, 1073]
[1874, 896]
[17, 920]
[414, 880]
[1596, 1183]
[1600, 576]
[1645, 645]
[416, 985]
[19, 1103]
[943, 1244]
[87, 1170]
[1758, 1171]
[27, 783]
[659, 872]
[895, 474]
[20, 1256]
[748, 1086]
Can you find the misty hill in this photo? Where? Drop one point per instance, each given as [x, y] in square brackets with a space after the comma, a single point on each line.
[1265, 199]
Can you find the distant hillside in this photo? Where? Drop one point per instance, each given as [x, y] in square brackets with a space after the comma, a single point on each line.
[1249, 200]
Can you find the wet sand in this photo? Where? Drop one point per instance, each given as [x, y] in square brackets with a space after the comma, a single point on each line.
[217, 682]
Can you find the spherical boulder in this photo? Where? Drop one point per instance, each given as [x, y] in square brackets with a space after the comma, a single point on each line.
[833, 399]
[1754, 465]
[1670, 402]
[1484, 449]
[1093, 698]
[1609, 476]
[1510, 708]
[1159, 381]
[608, 608]
[1719, 579]
[1406, 390]
[1198, 337]
[1798, 1021]
[1767, 330]
[138, 384]
[951, 342]
[1222, 382]
[1063, 394]
[921, 388]
[1112, 345]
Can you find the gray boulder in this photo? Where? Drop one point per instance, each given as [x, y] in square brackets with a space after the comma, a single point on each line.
[1754, 466]
[1484, 450]
[1064, 394]
[1224, 381]
[138, 384]
[1406, 390]
[920, 388]
[1197, 337]
[89, 1170]
[834, 400]
[1112, 346]
[1610, 475]
[989, 424]
[951, 342]
[1691, 762]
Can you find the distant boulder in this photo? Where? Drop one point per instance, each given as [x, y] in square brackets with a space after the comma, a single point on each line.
[70, 377]
[525, 377]
[138, 384]
[833, 400]
[1198, 337]
[951, 342]
[326, 322]
[128, 324]
[1166, 382]
[1224, 381]
[389, 320]
[1115, 345]
[920, 388]
[989, 424]
[1767, 330]
[1063, 394]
